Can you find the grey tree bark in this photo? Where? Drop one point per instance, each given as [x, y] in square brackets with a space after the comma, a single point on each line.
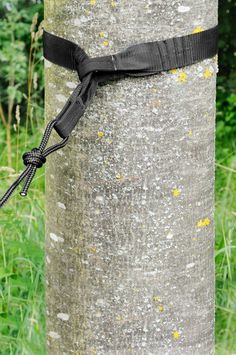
[130, 200]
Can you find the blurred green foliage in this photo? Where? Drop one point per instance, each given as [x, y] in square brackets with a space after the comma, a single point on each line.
[20, 49]
[226, 81]
[22, 320]
[227, 44]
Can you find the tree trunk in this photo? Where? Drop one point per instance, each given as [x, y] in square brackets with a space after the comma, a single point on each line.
[130, 200]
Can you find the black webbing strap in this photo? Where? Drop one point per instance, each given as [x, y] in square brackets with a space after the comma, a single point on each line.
[137, 60]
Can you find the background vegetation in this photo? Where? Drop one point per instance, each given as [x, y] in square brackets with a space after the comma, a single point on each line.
[22, 321]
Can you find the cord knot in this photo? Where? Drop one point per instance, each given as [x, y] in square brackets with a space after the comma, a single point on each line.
[35, 157]
[34, 160]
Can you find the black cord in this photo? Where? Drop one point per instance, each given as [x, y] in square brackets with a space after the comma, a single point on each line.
[34, 160]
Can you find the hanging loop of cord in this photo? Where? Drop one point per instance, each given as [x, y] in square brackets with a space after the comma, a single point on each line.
[34, 160]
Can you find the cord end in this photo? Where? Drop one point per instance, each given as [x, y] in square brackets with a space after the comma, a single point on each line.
[34, 160]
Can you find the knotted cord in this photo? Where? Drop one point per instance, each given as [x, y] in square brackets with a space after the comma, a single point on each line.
[34, 160]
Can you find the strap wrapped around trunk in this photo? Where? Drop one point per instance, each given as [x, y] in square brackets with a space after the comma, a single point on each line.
[137, 60]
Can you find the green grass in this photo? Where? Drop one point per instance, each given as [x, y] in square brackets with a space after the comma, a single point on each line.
[226, 247]
[22, 320]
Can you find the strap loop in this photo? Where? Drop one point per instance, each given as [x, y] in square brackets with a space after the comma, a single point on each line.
[137, 60]
[149, 57]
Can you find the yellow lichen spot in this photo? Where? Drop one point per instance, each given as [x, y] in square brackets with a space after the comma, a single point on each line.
[203, 222]
[109, 141]
[198, 29]
[113, 3]
[93, 2]
[176, 192]
[119, 176]
[106, 43]
[77, 250]
[176, 334]
[173, 71]
[161, 308]
[101, 34]
[183, 76]
[119, 318]
[190, 133]
[92, 249]
[156, 299]
[100, 134]
[135, 289]
[207, 73]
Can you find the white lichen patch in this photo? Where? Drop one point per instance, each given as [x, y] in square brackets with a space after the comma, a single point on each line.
[63, 316]
[189, 266]
[169, 235]
[81, 19]
[48, 259]
[100, 302]
[61, 205]
[54, 335]
[60, 152]
[150, 273]
[61, 98]
[183, 9]
[71, 84]
[99, 199]
[47, 63]
[55, 238]
[155, 111]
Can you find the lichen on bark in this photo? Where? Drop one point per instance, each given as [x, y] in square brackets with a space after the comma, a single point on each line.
[130, 200]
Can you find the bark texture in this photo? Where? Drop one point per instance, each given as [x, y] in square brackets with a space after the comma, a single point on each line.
[130, 200]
